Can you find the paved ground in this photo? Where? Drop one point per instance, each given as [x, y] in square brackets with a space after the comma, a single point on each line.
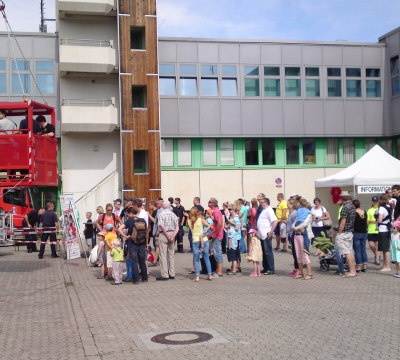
[51, 309]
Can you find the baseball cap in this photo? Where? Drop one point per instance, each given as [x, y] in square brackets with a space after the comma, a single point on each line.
[375, 198]
[118, 200]
[293, 195]
[109, 227]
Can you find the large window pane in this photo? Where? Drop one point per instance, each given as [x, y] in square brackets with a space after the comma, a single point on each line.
[312, 87]
[332, 151]
[353, 88]
[26, 83]
[353, 72]
[188, 86]
[271, 70]
[209, 152]
[373, 72]
[45, 83]
[272, 87]
[184, 152]
[292, 151]
[228, 70]
[251, 149]
[209, 70]
[2, 65]
[309, 151]
[252, 87]
[374, 88]
[229, 87]
[21, 64]
[251, 70]
[166, 69]
[47, 66]
[187, 69]
[333, 71]
[3, 86]
[226, 151]
[167, 86]
[334, 88]
[348, 151]
[167, 152]
[292, 87]
[209, 87]
[312, 71]
[268, 151]
[394, 65]
[292, 71]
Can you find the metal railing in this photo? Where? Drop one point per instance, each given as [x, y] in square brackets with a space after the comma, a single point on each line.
[88, 102]
[87, 42]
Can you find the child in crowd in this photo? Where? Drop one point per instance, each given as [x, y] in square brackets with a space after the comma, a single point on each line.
[117, 255]
[302, 213]
[88, 232]
[110, 236]
[255, 252]
[207, 230]
[102, 254]
[395, 247]
[233, 251]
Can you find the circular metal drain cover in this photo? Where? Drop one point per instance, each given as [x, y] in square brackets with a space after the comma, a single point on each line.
[181, 337]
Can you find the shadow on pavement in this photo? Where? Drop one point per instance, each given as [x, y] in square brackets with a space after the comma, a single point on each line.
[27, 266]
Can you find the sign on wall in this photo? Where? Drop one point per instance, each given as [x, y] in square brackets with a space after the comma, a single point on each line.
[373, 189]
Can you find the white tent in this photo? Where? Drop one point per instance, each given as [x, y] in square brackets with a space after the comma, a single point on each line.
[376, 167]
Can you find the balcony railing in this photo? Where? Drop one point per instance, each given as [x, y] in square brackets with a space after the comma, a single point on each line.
[86, 42]
[88, 102]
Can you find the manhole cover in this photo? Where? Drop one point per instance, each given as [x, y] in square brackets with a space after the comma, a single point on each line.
[181, 337]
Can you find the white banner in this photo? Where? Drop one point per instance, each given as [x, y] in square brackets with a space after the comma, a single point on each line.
[373, 189]
[70, 226]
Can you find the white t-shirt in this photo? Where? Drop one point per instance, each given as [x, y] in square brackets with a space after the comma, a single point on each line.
[317, 213]
[382, 211]
[142, 214]
[265, 220]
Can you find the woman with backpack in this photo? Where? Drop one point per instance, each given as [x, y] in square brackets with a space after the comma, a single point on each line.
[384, 227]
[108, 218]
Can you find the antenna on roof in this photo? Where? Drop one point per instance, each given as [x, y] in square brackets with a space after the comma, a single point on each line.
[43, 25]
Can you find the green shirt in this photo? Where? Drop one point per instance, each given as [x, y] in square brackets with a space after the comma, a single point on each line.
[372, 228]
[117, 255]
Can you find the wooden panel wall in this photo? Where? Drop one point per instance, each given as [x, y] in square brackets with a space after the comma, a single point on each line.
[139, 68]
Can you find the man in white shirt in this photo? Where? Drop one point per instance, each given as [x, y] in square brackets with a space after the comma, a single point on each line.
[117, 207]
[141, 213]
[266, 224]
[6, 124]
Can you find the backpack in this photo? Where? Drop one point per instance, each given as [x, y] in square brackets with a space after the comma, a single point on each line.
[387, 217]
[139, 231]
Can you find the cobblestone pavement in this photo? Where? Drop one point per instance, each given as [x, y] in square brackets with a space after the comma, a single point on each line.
[51, 309]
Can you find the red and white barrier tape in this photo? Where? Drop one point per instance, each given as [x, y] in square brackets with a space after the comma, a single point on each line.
[39, 242]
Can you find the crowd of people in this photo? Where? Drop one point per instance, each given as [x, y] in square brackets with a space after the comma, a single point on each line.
[243, 230]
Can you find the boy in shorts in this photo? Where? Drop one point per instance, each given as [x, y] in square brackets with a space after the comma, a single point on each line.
[233, 251]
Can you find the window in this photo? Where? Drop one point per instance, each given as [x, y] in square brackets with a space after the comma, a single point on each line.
[386, 145]
[268, 151]
[348, 151]
[139, 96]
[353, 88]
[312, 71]
[251, 84]
[312, 82]
[187, 69]
[292, 151]
[226, 150]
[184, 152]
[140, 162]
[373, 72]
[45, 83]
[209, 85]
[271, 71]
[229, 80]
[15, 197]
[209, 70]
[209, 152]
[332, 151]
[373, 88]
[334, 88]
[369, 144]
[251, 151]
[3, 77]
[309, 151]
[334, 72]
[272, 81]
[167, 152]
[138, 38]
[228, 70]
[24, 80]
[395, 73]
[292, 85]
[44, 66]
[188, 86]
[353, 72]
[166, 69]
[167, 84]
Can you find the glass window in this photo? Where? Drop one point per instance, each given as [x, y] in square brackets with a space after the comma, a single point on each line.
[292, 151]
[26, 83]
[348, 151]
[139, 96]
[209, 86]
[184, 152]
[373, 88]
[394, 65]
[251, 150]
[209, 70]
[312, 71]
[167, 86]
[292, 71]
[353, 88]
[334, 88]
[138, 38]
[2, 65]
[140, 161]
[166, 69]
[271, 71]
[396, 86]
[332, 151]
[167, 152]
[3, 83]
[387, 145]
[47, 66]
[333, 71]
[268, 151]
[309, 151]
[45, 83]
[187, 69]
[272, 87]
[229, 70]
[373, 72]
[188, 86]
[251, 70]
[353, 72]
[369, 144]
[227, 154]
[229, 87]
[209, 152]
[312, 88]
[22, 65]
[252, 87]
[292, 87]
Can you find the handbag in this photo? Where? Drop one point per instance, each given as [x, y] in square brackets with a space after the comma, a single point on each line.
[327, 222]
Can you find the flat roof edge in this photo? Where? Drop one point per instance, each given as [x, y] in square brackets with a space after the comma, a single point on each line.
[38, 34]
[389, 33]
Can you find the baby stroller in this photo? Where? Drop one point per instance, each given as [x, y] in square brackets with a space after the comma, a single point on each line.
[332, 256]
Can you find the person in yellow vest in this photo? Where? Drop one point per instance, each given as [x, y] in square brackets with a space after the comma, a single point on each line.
[281, 213]
[372, 221]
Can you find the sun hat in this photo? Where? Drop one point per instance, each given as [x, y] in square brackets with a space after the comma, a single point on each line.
[345, 193]
[293, 195]
[396, 223]
[252, 231]
[101, 233]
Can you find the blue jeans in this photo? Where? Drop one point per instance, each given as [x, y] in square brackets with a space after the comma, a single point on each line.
[206, 257]
[268, 255]
[129, 265]
[138, 255]
[360, 250]
[242, 244]
[305, 236]
[339, 260]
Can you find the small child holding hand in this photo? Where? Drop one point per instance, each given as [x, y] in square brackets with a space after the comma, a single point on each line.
[117, 255]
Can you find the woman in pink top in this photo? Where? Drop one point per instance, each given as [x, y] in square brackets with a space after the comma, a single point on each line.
[253, 221]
